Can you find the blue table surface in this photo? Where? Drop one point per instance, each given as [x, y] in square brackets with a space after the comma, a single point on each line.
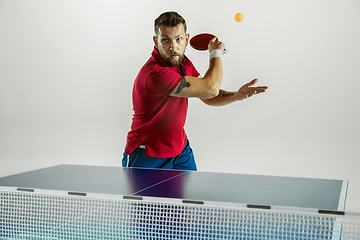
[322, 194]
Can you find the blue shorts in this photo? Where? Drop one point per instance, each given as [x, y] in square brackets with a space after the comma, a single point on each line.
[184, 161]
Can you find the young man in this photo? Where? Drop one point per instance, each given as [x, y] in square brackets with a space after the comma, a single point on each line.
[160, 98]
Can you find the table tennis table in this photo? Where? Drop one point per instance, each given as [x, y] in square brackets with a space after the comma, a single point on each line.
[97, 202]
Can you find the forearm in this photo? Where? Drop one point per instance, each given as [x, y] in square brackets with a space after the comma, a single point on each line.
[214, 75]
[222, 99]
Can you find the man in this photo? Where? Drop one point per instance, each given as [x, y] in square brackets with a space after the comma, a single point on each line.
[160, 98]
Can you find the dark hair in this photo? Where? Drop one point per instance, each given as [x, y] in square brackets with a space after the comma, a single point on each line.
[169, 19]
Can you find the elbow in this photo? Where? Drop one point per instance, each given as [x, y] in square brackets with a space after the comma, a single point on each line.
[214, 88]
[211, 87]
[215, 91]
[212, 92]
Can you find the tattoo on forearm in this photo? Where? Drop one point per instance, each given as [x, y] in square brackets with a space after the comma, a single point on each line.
[183, 84]
[228, 94]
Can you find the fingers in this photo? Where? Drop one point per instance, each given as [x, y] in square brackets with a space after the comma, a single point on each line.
[255, 90]
[214, 44]
[211, 44]
[260, 89]
[252, 82]
[248, 91]
[212, 40]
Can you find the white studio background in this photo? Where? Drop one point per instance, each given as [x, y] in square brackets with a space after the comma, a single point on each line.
[67, 69]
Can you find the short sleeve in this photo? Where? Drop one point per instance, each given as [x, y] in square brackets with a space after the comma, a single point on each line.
[162, 82]
[190, 69]
[195, 73]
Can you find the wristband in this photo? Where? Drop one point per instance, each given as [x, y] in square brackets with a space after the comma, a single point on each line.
[215, 53]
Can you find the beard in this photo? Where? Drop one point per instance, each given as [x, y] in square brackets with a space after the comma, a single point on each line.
[173, 62]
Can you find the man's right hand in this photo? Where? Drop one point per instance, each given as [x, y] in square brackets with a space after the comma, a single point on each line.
[213, 44]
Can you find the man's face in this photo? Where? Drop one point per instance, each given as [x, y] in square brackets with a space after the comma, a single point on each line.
[171, 43]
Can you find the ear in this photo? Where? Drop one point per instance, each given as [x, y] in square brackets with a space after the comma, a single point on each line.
[187, 38]
[155, 41]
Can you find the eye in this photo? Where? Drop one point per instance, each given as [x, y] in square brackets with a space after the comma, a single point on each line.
[165, 40]
[179, 39]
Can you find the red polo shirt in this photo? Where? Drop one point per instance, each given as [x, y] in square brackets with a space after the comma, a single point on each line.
[159, 119]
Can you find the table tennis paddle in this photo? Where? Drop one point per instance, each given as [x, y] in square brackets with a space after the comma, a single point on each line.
[201, 41]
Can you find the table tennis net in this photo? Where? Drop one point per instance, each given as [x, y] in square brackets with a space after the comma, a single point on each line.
[30, 215]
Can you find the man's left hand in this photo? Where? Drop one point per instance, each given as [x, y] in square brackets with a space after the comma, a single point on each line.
[247, 90]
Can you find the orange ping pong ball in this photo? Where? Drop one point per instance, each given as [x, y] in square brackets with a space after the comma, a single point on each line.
[239, 17]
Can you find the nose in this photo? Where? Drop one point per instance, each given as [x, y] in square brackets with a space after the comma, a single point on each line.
[173, 46]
